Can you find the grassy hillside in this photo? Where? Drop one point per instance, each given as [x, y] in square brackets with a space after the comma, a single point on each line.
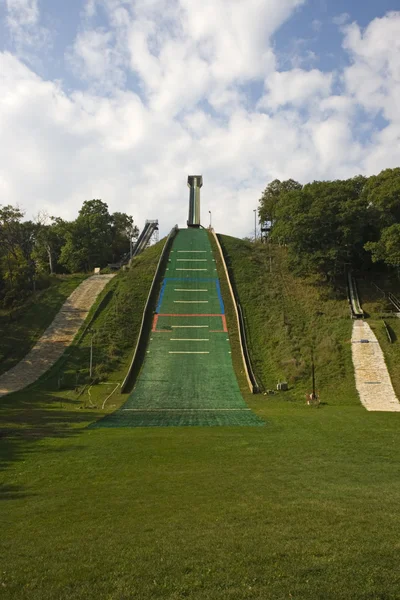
[20, 329]
[112, 326]
[286, 318]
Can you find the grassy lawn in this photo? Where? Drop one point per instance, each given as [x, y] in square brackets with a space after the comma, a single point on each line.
[19, 335]
[303, 508]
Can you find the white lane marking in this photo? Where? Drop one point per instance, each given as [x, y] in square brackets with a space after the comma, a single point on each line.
[190, 301]
[192, 251]
[181, 409]
[178, 269]
[188, 326]
[181, 290]
[189, 339]
[188, 353]
[191, 260]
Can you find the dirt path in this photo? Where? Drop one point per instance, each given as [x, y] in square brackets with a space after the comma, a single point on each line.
[56, 338]
[372, 377]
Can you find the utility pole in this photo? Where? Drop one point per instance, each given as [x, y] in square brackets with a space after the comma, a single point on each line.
[210, 218]
[255, 224]
[314, 394]
[91, 354]
[131, 242]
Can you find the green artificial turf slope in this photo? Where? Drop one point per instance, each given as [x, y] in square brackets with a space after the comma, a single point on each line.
[187, 377]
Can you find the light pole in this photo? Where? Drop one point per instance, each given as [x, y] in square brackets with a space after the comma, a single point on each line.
[255, 223]
[210, 218]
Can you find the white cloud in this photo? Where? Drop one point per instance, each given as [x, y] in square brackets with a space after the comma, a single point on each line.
[94, 58]
[374, 77]
[297, 87]
[134, 148]
[23, 20]
[182, 52]
[341, 19]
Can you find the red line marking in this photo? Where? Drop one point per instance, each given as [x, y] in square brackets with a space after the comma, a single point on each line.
[224, 323]
[155, 322]
[192, 315]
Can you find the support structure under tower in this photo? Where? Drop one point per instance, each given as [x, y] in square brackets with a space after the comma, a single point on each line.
[194, 182]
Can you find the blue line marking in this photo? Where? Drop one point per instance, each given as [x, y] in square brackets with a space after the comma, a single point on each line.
[221, 302]
[161, 296]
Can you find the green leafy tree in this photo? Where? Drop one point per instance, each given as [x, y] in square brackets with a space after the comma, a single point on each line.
[89, 238]
[17, 266]
[272, 195]
[50, 239]
[382, 194]
[387, 249]
[123, 230]
[324, 224]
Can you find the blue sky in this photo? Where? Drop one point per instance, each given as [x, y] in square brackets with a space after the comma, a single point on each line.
[122, 99]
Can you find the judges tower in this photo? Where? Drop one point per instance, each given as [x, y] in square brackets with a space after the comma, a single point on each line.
[194, 183]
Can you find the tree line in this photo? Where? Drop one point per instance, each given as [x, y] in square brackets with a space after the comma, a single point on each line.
[32, 250]
[331, 225]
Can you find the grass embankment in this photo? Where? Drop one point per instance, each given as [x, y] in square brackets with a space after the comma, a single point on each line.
[231, 323]
[286, 317]
[20, 329]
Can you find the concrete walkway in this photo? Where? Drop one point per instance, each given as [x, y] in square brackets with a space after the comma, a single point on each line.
[372, 377]
[56, 338]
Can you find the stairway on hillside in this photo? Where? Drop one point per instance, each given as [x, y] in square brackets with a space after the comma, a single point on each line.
[56, 338]
[372, 377]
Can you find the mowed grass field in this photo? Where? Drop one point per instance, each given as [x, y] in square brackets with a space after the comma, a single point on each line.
[305, 507]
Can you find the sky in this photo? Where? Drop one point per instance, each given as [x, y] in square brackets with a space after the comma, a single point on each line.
[123, 99]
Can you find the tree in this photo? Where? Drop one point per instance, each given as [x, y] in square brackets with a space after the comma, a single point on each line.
[325, 224]
[88, 239]
[382, 194]
[271, 197]
[387, 249]
[17, 266]
[50, 238]
[123, 231]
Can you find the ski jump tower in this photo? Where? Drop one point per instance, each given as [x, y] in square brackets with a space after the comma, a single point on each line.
[194, 183]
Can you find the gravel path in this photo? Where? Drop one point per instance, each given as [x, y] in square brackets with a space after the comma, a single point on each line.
[56, 338]
[372, 377]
